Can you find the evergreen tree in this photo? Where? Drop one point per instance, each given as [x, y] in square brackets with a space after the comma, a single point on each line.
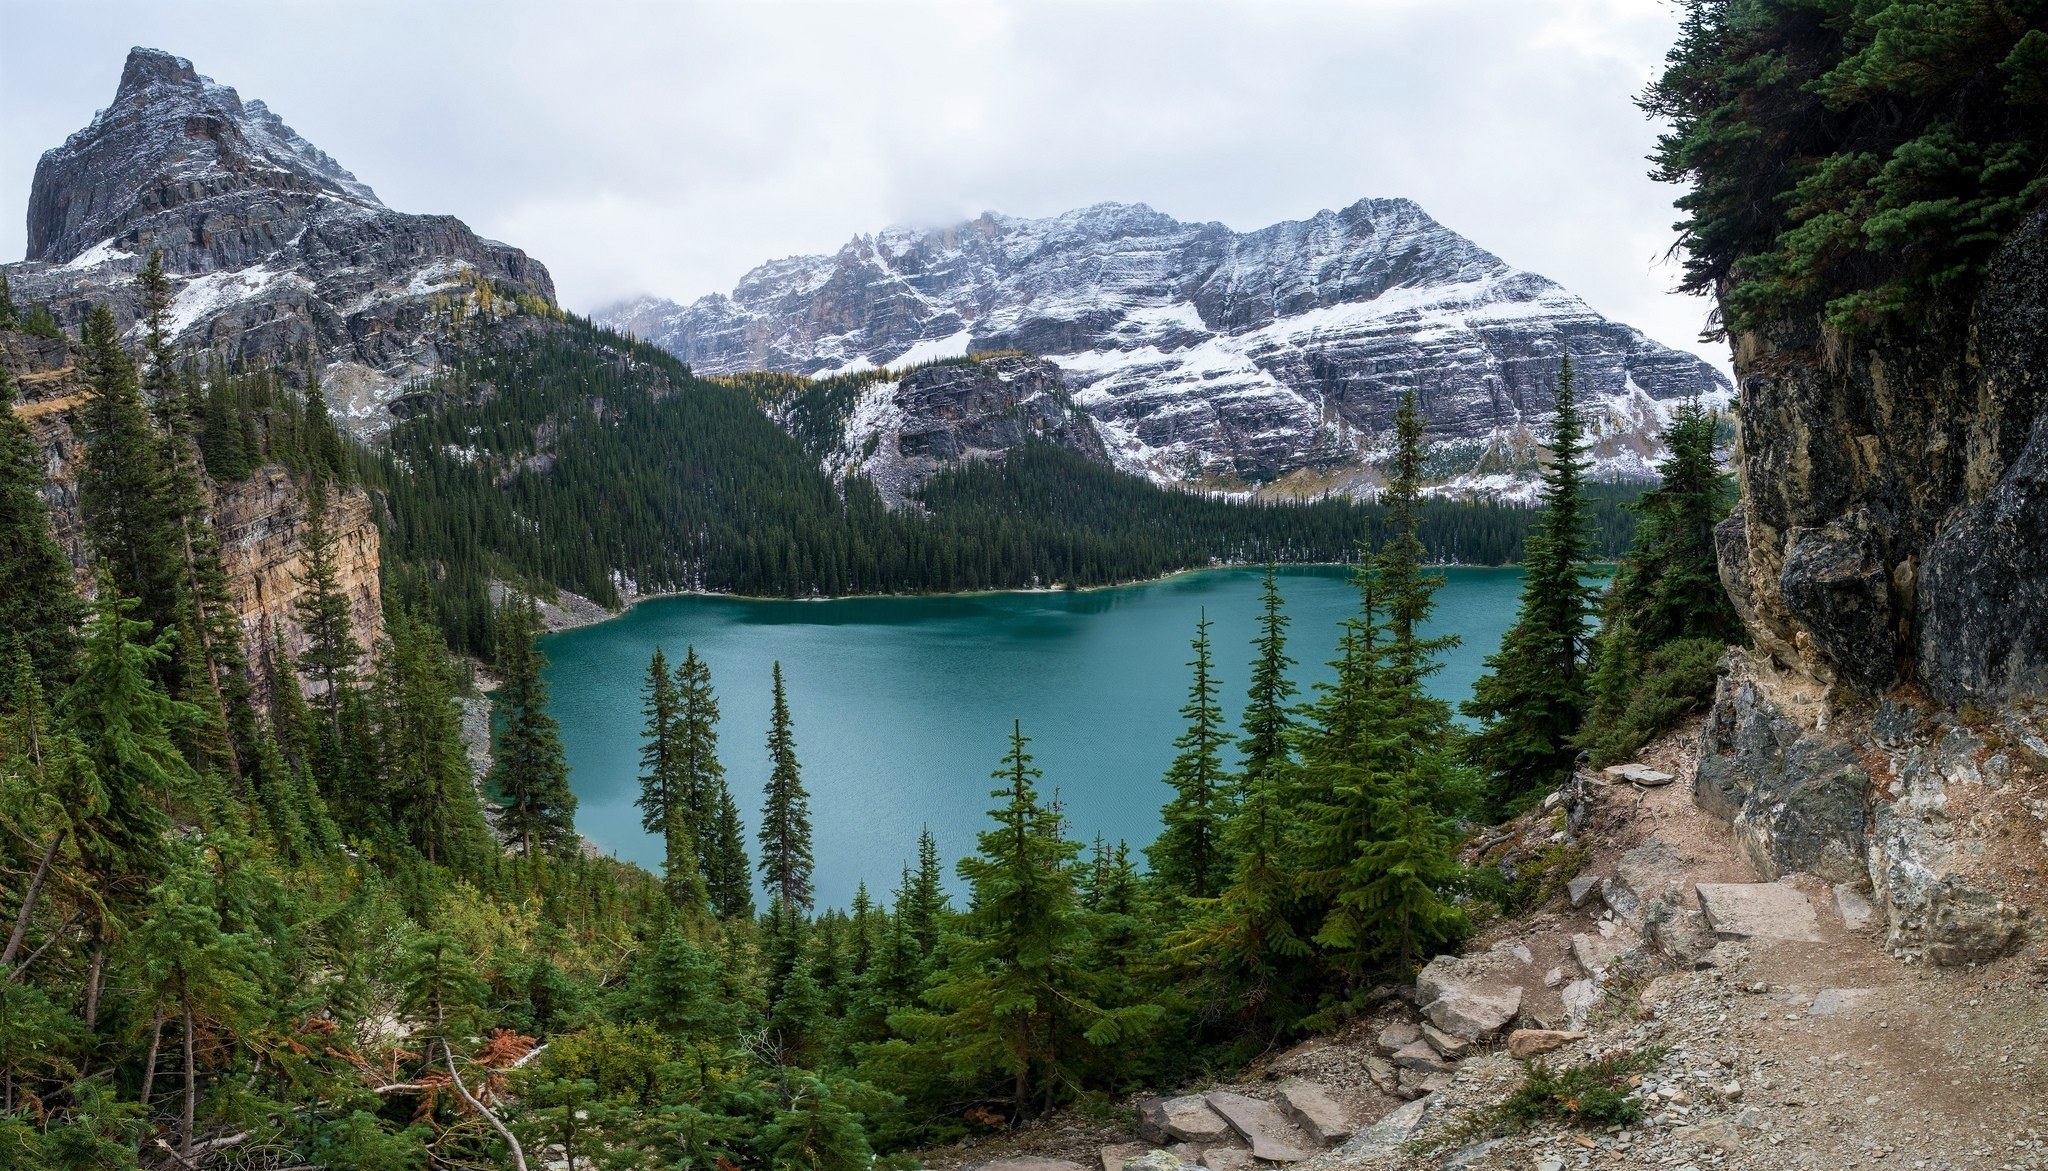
[10, 313]
[1268, 712]
[422, 768]
[700, 785]
[1533, 693]
[39, 609]
[528, 775]
[121, 489]
[663, 795]
[785, 813]
[732, 887]
[332, 656]
[1666, 618]
[1017, 1000]
[925, 905]
[40, 323]
[1188, 856]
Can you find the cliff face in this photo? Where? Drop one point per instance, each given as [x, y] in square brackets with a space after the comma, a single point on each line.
[900, 432]
[1890, 557]
[273, 248]
[1894, 523]
[1202, 352]
[261, 520]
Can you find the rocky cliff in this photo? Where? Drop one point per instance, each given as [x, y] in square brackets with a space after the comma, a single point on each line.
[275, 250]
[1203, 353]
[899, 431]
[261, 520]
[1890, 557]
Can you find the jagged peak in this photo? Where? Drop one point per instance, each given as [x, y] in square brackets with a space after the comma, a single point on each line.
[148, 68]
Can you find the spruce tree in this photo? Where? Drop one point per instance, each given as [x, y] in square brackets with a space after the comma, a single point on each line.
[662, 794]
[39, 609]
[731, 888]
[10, 313]
[926, 906]
[785, 812]
[1268, 712]
[700, 782]
[1665, 619]
[1018, 1001]
[1188, 856]
[1533, 693]
[332, 656]
[528, 775]
[422, 767]
[121, 490]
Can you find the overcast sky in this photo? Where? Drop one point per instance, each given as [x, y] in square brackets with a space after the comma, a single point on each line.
[669, 147]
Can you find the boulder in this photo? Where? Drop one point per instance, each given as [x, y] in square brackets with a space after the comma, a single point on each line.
[1262, 1125]
[1385, 1136]
[1753, 910]
[1851, 907]
[1417, 1084]
[1315, 1111]
[1526, 1043]
[1160, 1161]
[1419, 1056]
[1640, 875]
[1471, 998]
[1451, 1047]
[1395, 1036]
[1923, 878]
[1383, 1074]
[1580, 998]
[1187, 1118]
[1580, 889]
[1028, 1163]
[1593, 952]
[1227, 1159]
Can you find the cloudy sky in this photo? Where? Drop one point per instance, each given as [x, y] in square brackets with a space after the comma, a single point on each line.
[669, 147]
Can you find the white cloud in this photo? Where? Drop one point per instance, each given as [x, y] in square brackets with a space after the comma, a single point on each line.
[670, 147]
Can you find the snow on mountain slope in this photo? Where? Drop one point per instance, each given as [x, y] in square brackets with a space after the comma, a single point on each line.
[1211, 355]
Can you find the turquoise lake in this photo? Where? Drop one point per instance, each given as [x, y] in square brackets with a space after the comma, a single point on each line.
[902, 705]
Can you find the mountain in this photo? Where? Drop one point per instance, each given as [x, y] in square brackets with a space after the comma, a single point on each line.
[277, 250]
[1212, 355]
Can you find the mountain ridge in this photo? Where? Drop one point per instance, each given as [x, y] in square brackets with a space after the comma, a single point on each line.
[1204, 353]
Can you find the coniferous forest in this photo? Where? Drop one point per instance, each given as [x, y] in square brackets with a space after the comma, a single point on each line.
[288, 927]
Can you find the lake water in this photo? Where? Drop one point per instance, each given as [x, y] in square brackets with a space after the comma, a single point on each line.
[903, 705]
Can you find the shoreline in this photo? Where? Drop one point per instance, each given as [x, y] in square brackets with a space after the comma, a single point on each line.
[580, 612]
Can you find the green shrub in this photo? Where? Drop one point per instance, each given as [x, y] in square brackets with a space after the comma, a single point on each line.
[1595, 1093]
[1677, 679]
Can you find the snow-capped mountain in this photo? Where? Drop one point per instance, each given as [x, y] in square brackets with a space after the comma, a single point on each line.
[1207, 354]
[274, 248]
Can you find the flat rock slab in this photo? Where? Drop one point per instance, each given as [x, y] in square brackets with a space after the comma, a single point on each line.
[1422, 1056]
[1398, 1036]
[1525, 1043]
[1852, 908]
[1594, 952]
[1474, 1014]
[1187, 1118]
[1580, 998]
[1640, 774]
[1451, 1047]
[1758, 910]
[1386, 1136]
[1262, 1125]
[1581, 888]
[1315, 1111]
[1114, 1157]
[1025, 1163]
[1227, 1159]
[1837, 1000]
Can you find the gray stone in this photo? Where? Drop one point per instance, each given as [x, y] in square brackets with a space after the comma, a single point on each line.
[1933, 911]
[1581, 888]
[1227, 1159]
[1793, 798]
[1641, 874]
[1471, 1155]
[1451, 1047]
[1580, 998]
[1261, 1124]
[1417, 1084]
[1385, 1136]
[1421, 1057]
[1593, 953]
[1470, 998]
[1398, 1035]
[1315, 1111]
[1383, 1074]
[1753, 910]
[1158, 1161]
[1641, 774]
[1851, 907]
[1187, 1118]
[1031, 1163]
[1116, 1155]
[1550, 1163]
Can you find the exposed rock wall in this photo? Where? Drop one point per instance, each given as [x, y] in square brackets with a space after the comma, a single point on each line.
[261, 521]
[1890, 558]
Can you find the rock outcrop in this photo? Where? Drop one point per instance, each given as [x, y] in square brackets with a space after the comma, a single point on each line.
[901, 431]
[274, 249]
[261, 520]
[1203, 353]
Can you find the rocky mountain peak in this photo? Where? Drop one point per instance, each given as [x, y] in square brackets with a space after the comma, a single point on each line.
[171, 137]
[1270, 357]
[274, 249]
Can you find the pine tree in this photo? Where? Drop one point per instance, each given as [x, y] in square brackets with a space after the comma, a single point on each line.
[422, 767]
[663, 795]
[701, 792]
[1018, 1000]
[785, 812]
[332, 656]
[732, 888]
[528, 774]
[927, 905]
[1533, 694]
[1268, 712]
[10, 313]
[39, 609]
[1188, 856]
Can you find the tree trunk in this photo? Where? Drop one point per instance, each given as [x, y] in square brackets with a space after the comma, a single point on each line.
[92, 979]
[518, 1155]
[191, 1089]
[28, 899]
[156, 1037]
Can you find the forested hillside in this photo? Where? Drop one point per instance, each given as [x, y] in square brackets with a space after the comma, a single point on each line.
[552, 454]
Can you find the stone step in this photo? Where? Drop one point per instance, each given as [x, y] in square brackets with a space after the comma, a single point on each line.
[1758, 910]
[1312, 1108]
[1188, 1118]
[1262, 1125]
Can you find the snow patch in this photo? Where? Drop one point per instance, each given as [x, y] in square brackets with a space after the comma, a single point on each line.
[207, 296]
[933, 350]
